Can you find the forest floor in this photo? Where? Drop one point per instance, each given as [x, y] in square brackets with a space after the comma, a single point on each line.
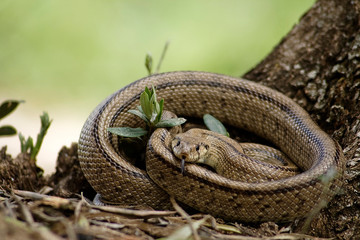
[33, 206]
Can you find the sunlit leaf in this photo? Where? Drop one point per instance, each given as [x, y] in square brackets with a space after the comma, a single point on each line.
[139, 114]
[161, 109]
[153, 92]
[153, 103]
[128, 132]
[145, 104]
[170, 122]
[157, 107]
[140, 109]
[153, 117]
[148, 92]
[214, 124]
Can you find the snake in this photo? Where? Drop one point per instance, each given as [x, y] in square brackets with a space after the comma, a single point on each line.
[249, 162]
[236, 102]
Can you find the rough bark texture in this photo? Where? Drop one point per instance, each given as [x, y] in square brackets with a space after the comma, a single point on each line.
[318, 65]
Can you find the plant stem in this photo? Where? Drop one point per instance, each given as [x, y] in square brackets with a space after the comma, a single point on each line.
[162, 56]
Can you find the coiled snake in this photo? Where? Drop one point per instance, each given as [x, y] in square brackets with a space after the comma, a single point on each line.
[237, 102]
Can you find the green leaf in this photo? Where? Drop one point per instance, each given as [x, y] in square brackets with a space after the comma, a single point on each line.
[214, 124]
[8, 106]
[148, 63]
[145, 104]
[157, 107]
[140, 110]
[22, 143]
[128, 132]
[7, 130]
[148, 92]
[161, 109]
[153, 117]
[139, 114]
[29, 144]
[154, 105]
[45, 124]
[26, 144]
[153, 93]
[153, 101]
[170, 122]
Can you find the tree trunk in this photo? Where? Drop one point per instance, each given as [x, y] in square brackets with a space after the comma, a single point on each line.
[318, 65]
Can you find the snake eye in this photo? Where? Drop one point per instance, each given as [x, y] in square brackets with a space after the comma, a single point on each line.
[177, 143]
[197, 148]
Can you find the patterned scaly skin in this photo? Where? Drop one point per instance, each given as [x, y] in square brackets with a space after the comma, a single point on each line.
[233, 101]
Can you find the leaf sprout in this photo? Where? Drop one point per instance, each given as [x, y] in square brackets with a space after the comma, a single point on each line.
[151, 111]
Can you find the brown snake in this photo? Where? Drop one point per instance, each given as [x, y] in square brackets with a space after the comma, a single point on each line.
[237, 102]
[247, 162]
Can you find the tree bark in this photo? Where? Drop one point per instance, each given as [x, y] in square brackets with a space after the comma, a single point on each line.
[318, 65]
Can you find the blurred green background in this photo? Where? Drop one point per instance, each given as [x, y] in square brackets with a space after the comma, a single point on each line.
[64, 56]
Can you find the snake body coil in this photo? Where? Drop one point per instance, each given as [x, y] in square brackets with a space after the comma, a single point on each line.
[233, 101]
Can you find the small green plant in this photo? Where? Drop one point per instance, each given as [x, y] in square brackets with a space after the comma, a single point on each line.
[5, 109]
[27, 145]
[149, 60]
[151, 111]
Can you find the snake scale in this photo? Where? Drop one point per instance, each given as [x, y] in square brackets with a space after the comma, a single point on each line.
[247, 162]
[236, 102]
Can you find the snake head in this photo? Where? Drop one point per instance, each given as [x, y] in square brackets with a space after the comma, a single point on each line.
[189, 148]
